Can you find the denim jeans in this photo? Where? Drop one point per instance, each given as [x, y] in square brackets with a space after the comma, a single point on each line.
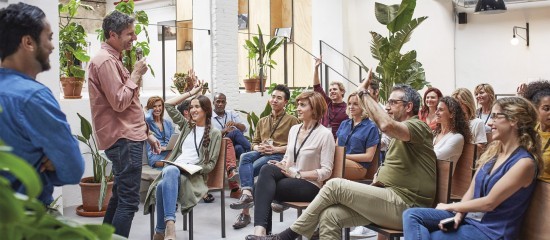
[167, 195]
[422, 223]
[250, 165]
[126, 156]
[240, 142]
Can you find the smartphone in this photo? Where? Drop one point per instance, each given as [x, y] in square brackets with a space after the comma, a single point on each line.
[448, 223]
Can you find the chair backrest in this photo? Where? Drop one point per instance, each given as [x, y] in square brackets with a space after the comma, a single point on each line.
[216, 178]
[373, 168]
[339, 161]
[535, 221]
[463, 173]
[443, 182]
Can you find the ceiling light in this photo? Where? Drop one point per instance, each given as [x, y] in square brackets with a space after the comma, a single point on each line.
[490, 7]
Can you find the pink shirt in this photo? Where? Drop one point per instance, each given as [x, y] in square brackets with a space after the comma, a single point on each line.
[116, 110]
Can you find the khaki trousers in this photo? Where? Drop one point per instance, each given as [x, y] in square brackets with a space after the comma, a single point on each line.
[342, 203]
[354, 171]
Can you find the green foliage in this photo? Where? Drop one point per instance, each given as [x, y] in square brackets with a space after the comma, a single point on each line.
[24, 217]
[395, 67]
[99, 163]
[72, 40]
[261, 53]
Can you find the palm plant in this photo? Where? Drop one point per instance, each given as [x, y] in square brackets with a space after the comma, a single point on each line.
[261, 53]
[395, 67]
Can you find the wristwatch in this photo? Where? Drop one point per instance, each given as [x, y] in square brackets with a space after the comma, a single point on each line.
[298, 175]
[362, 92]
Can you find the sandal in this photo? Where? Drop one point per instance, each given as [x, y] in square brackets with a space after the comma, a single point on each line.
[208, 198]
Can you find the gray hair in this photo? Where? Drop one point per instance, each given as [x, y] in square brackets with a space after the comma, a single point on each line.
[116, 22]
[411, 95]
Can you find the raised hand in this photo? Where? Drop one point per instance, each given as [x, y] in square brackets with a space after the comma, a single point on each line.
[365, 84]
[318, 61]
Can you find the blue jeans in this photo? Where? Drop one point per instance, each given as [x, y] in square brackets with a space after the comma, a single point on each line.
[422, 223]
[250, 165]
[240, 143]
[167, 195]
[126, 156]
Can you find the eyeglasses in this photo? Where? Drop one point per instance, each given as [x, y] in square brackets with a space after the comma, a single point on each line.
[496, 115]
[392, 102]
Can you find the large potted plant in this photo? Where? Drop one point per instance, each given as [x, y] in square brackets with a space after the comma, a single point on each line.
[72, 49]
[96, 190]
[395, 67]
[260, 54]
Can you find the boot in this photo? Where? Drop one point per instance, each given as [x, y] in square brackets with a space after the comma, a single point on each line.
[170, 231]
[158, 236]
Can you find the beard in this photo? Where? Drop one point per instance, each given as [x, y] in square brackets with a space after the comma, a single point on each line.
[42, 56]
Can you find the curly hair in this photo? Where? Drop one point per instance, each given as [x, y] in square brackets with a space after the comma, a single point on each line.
[425, 110]
[525, 115]
[459, 123]
[537, 90]
[151, 104]
[116, 22]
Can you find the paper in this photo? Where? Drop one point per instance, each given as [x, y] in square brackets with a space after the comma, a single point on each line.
[189, 168]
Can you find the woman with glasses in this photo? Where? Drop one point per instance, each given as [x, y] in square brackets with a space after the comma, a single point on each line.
[452, 130]
[501, 190]
[427, 113]
[477, 126]
[485, 97]
[161, 128]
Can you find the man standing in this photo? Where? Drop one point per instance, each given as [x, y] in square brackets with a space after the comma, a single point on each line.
[336, 112]
[118, 118]
[269, 143]
[31, 120]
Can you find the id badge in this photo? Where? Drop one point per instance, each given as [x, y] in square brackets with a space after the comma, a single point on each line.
[475, 216]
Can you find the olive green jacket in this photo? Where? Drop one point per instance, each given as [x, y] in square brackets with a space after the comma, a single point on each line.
[192, 187]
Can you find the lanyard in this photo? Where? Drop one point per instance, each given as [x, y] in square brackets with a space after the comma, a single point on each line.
[276, 125]
[301, 145]
[224, 121]
[479, 115]
[195, 137]
[353, 129]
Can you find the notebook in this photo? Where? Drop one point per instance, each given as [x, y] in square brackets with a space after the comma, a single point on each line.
[172, 142]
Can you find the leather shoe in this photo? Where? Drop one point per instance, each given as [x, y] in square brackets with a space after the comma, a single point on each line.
[170, 231]
[267, 237]
[232, 175]
[278, 208]
[242, 221]
[246, 201]
[158, 236]
[236, 193]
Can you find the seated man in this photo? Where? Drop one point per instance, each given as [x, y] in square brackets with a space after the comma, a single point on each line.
[407, 179]
[269, 143]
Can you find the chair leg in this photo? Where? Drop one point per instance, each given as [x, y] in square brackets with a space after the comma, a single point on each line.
[281, 217]
[191, 224]
[299, 214]
[222, 193]
[152, 219]
[185, 222]
[346, 233]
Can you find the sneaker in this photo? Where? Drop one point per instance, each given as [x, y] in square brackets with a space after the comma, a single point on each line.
[246, 201]
[232, 175]
[362, 232]
[267, 237]
[278, 208]
[235, 193]
[242, 221]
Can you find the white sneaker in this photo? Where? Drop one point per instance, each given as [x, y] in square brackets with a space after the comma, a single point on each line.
[362, 232]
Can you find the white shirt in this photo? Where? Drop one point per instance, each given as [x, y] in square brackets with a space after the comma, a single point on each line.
[449, 147]
[477, 127]
[229, 116]
[189, 153]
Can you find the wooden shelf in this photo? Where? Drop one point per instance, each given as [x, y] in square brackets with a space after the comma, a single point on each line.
[184, 34]
[281, 14]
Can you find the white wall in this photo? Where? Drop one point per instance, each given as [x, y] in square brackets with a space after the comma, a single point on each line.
[484, 52]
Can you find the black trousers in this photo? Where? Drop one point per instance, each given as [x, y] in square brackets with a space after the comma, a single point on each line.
[274, 185]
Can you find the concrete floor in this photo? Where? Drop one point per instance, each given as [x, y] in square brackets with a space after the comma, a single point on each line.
[206, 222]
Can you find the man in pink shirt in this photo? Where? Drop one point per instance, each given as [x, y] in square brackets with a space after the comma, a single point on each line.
[118, 118]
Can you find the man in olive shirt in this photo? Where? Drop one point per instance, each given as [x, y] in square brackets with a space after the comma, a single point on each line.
[269, 143]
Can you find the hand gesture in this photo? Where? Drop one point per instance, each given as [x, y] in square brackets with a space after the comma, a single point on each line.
[155, 144]
[141, 67]
[318, 62]
[365, 84]
[197, 88]
[521, 89]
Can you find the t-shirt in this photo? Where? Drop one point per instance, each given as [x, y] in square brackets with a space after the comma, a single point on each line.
[189, 153]
[544, 140]
[477, 127]
[410, 167]
[449, 147]
[359, 138]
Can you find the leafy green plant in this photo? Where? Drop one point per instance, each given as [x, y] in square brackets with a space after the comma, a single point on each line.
[395, 67]
[261, 53]
[72, 40]
[99, 163]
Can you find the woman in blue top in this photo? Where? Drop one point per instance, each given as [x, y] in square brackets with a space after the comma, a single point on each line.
[500, 192]
[161, 128]
[360, 137]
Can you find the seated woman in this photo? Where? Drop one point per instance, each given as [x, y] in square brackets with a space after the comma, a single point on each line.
[485, 97]
[161, 128]
[494, 205]
[451, 131]
[538, 93]
[308, 162]
[198, 144]
[427, 112]
[360, 137]
[477, 126]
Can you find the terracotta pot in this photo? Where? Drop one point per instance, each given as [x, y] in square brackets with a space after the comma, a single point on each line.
[257, 88]
[250, 84]
[72, 87]
[90, 195]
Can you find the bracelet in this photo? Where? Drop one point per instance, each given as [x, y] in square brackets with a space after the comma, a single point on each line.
[361, 93]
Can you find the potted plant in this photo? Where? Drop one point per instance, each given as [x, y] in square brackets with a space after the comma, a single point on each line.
[395, 67]
[96, 190]
[72, 49]
[260, 54]
[182, 82]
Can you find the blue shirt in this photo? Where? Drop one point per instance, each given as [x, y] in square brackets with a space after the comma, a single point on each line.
[229, 116]
[32, 123]
[357, 140]
[162, 136]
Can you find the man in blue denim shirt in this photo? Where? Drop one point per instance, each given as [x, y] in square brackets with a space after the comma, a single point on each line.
[31, 121]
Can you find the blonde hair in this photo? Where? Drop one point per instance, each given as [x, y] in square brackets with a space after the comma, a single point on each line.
[364, 113]
[522, 112]
[464, 96]
[488, 89]
[151, 104]
[317, 102]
